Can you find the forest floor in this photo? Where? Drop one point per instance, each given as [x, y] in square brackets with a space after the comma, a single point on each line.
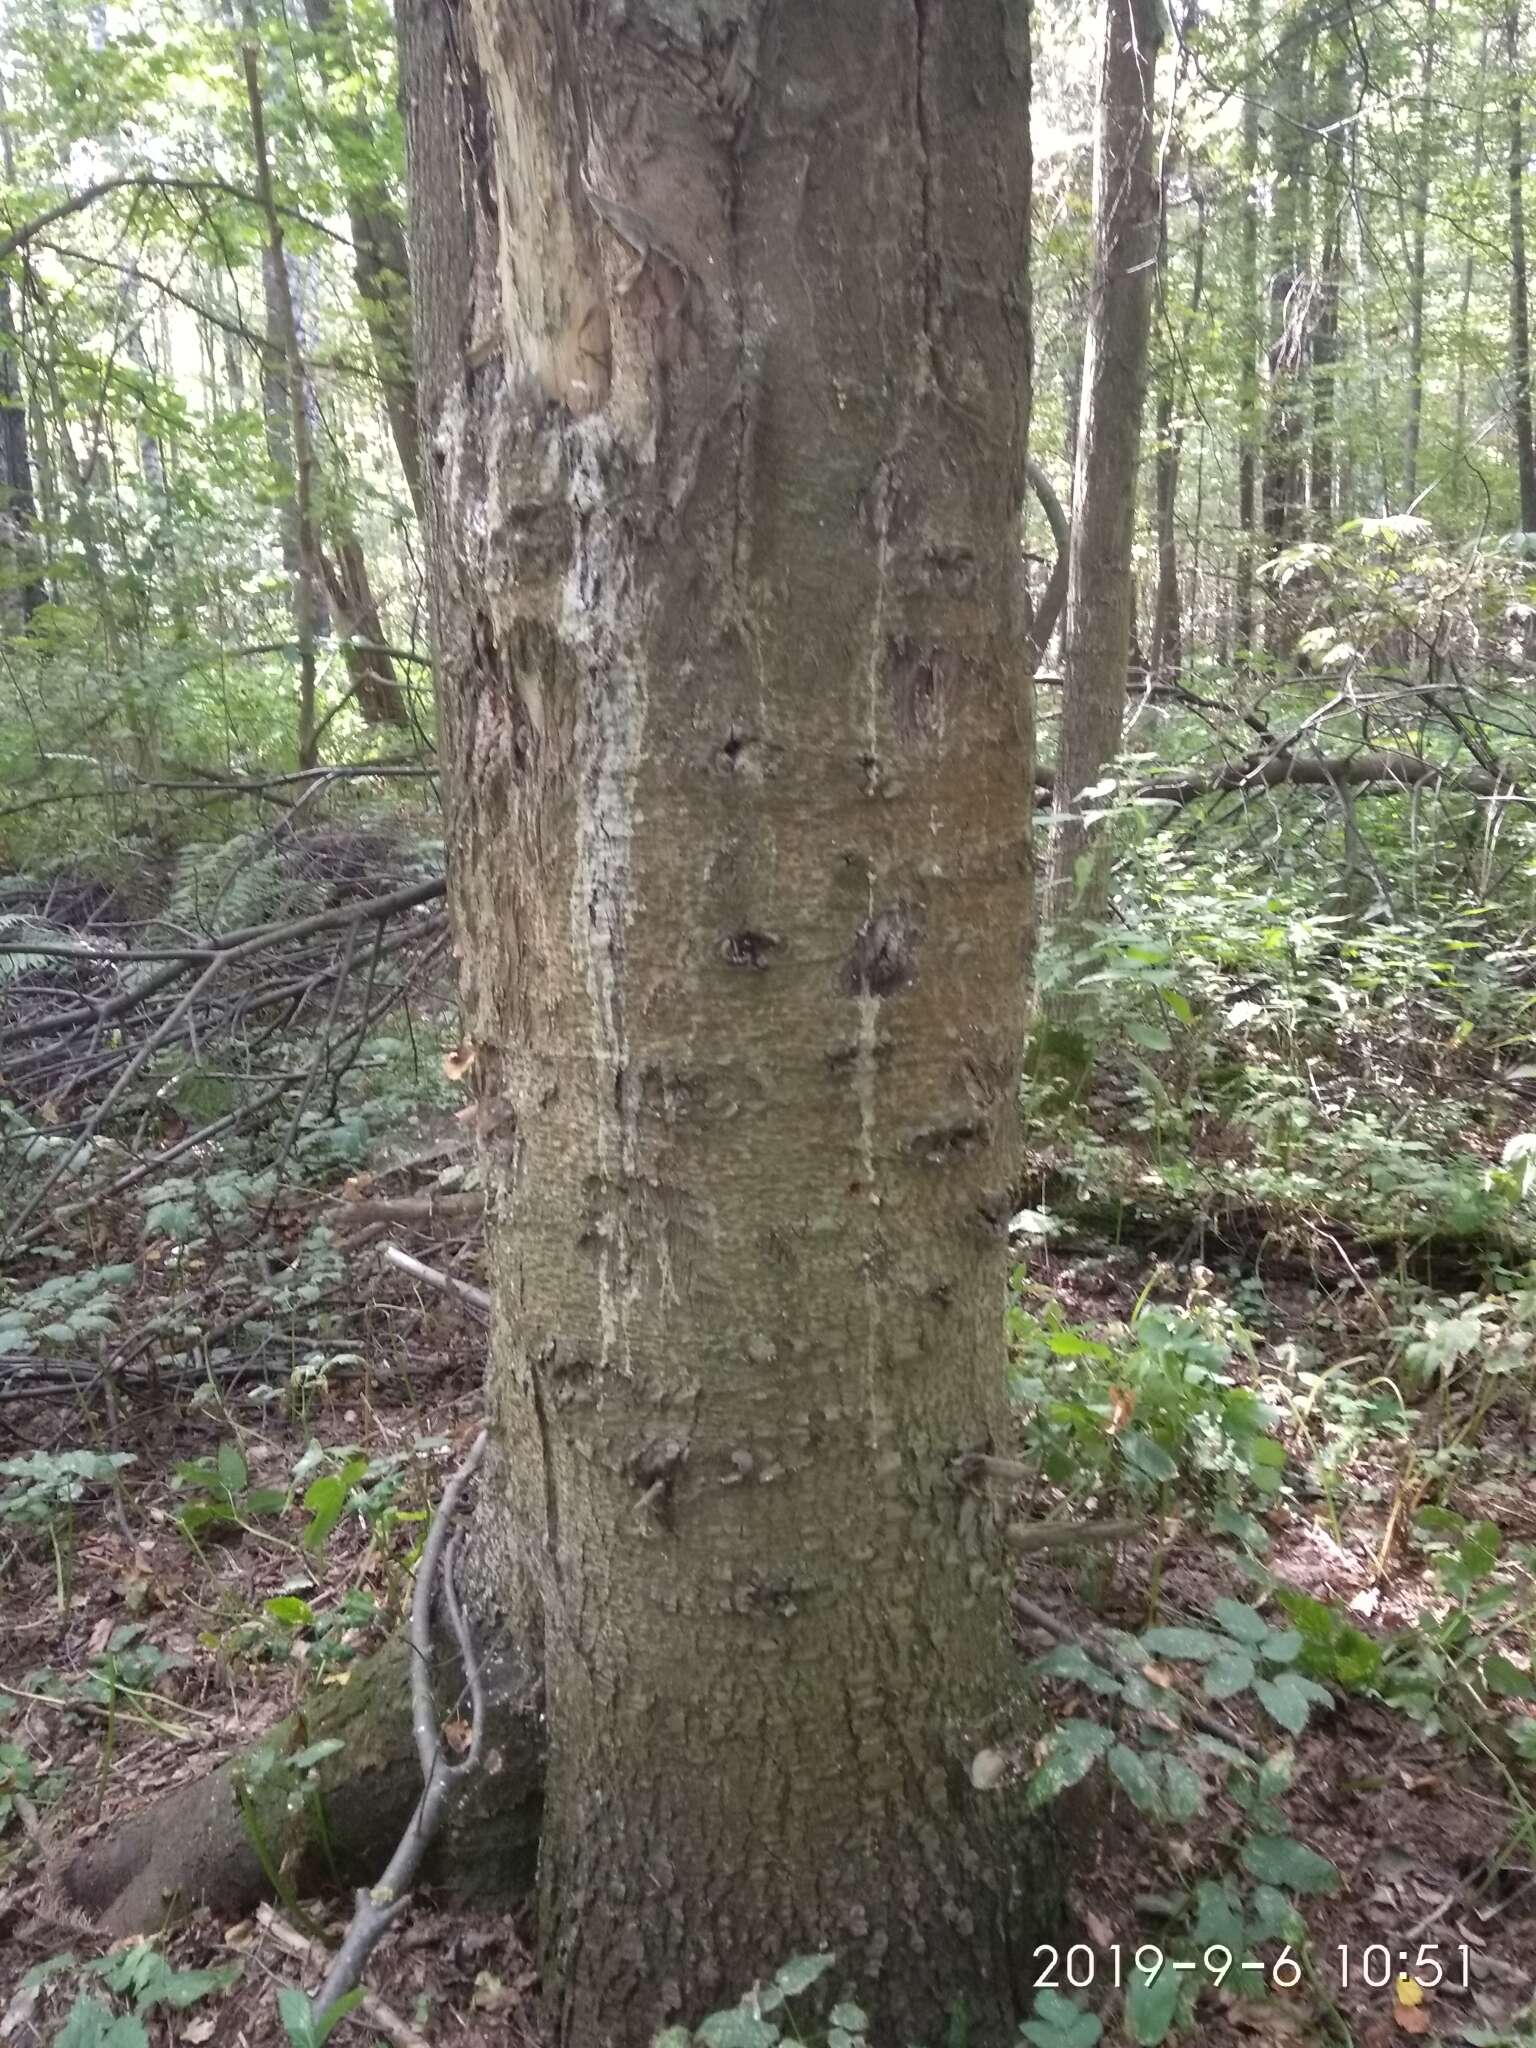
[1328, 1461]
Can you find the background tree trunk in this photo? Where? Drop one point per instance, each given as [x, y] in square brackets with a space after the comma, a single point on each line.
[1096, 638]
[1519, 292]
[724, 375]
[1244, 626]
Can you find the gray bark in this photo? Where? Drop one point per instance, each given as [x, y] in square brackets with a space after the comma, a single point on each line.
[723, 359]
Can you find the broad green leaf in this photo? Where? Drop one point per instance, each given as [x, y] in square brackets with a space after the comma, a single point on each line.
[234, 1474]
[1185, 1793]
[1072, 1756]
[737, 2029]
[1131, 1770]
[92, 2025]
[1245, 1624]
[1150, 2004]
[1507, 1679]
[800, 1973]
[1290, 1699]
[1059, 2023]
[1282, 1860]
[1196, 1643]
[1232, 1672]
[1149, 1458]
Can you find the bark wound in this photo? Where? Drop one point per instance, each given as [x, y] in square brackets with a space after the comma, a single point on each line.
[884, 956]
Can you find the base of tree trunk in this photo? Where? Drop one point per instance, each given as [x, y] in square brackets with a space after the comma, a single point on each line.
[244, 1833]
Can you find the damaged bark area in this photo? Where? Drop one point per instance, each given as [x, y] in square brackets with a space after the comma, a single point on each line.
[723, 344]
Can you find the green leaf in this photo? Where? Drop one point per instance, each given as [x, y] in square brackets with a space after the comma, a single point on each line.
[737, 2028]
[1059, 2023]
[1218, 1918]
[800, 1973]
[1150, 2004]
[92, 2025]
[305, 2029]
[1148, 1458]
[1480, 1549]
[1282, 1860]
[1130, 1770]
[1230, 1673]
[1185, 1794]
[1245, 1529]
[1077, 1747]
[1196, 1643]
[290, 1611]
[1274, 1916]
[1507, 1679]
[1244, 1624]
[1071, 1660]
[1289, 1699]
[853, 2019]
[234, 1473]
[327, 1498]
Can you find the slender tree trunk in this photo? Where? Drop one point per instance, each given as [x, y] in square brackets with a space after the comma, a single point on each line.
[1519, 297]
[1325, 338]
[1100, 615]
[305, 568]
[380, 265]
[371, 674]
[25, 590]
[1468, 270]
[1291, 314]
[723, 340]
[1167, 613]
[1244, 627]
[1421, 182]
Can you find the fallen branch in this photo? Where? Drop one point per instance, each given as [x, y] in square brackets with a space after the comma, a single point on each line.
[475, 1296]
[378, 1908]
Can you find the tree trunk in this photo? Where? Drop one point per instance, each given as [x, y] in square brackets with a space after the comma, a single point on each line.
[723, 348]
[288, 366]
[371, 674]
[1096, 638]
[1325, 339]
[1243, 622]
[1415, 430]
[380, 265]
[1519, 297]
[1167, 656]
[1291, 312]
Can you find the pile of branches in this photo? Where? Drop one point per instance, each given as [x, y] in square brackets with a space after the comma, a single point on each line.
[93, 1017]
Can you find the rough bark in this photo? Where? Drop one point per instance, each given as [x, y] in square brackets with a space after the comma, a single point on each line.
[723, 346]
[1096, 638]
[1519, 292]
